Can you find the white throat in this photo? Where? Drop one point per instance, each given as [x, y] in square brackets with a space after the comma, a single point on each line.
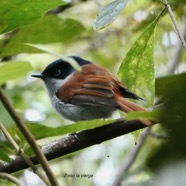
[53, 85]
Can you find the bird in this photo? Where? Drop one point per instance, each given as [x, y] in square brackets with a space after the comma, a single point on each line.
[88, 94]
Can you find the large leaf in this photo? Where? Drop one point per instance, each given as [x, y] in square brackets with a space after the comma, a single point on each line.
[109, 13]
[173, 118]
[168, 81]
[137, 69]
[16, 13]
[12, 70]
[49, 29]
[41, 131]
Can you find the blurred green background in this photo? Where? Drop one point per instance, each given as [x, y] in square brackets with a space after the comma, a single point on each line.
[67, 28]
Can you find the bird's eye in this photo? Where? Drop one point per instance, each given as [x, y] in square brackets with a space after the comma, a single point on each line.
[57, 73]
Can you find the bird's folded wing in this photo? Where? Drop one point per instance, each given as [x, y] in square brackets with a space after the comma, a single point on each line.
[93, 86]
[96, 90]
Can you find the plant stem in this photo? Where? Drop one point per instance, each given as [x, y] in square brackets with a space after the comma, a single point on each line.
[29, 137]
[10, 178]
[175, 23]
[25, 157]
[127, 163]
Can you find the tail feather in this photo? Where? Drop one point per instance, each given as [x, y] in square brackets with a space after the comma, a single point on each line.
[129, 106]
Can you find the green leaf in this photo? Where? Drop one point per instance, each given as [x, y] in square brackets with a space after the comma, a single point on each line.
[5, 150]
[12, 70]
[41, 131]
[163, 83]
[5, 117]
[11, 47]
[137, 69]
[173, 90]
[16, 13]
[109, 13]
[4, 156]
[151, 115]
[172, 117]
[69, 60]
[50, 29]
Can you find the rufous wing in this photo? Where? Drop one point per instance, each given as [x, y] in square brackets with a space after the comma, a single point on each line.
[91, 86]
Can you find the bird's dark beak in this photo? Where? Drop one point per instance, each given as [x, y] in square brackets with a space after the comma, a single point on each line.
[39, 76]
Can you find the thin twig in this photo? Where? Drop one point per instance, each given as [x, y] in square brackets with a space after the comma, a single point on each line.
[22, 154]
[29, 137]
[126, 164]
[175, 57]
[175, 23]
[11, 178]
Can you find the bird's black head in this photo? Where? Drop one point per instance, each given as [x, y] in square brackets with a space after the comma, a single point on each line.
[60, 69]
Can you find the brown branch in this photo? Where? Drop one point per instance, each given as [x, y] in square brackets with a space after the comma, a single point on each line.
[75, 142]
[29, 137]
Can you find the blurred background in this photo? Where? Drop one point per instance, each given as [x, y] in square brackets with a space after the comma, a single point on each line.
[68, 30]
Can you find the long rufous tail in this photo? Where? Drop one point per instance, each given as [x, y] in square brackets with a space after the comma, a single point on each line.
[129, 106]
